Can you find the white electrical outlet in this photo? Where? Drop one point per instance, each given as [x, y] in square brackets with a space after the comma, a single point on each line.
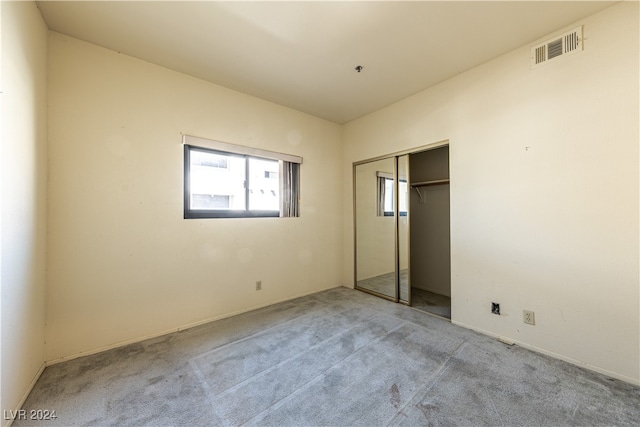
[259, 285]
[529, 317]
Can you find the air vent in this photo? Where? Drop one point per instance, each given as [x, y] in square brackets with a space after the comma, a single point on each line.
[567, 43]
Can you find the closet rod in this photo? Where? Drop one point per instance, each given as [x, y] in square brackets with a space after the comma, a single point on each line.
[434, 182]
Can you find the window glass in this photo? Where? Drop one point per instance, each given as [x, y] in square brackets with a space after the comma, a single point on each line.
[220, 184]
[214, 186]
[403, 198]
[264, 184]
[389, 197]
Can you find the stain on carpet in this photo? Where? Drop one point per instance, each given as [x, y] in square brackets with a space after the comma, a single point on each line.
[395, 396]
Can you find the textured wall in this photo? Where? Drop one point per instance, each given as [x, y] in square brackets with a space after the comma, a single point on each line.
[544, 192]
[23, 199]
[124, 264]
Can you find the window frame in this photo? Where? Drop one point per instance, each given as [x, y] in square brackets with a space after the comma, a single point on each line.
[209, 146]
[387, 177]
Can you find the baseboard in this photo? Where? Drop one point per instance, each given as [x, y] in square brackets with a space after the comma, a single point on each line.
[575, 362]
[177, 329]
[7, 423]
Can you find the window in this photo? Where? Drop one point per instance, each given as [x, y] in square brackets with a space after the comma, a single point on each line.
[386, 195]
[229, 181]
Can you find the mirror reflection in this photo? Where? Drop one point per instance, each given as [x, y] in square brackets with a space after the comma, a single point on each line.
[403, 228]
[375, 227]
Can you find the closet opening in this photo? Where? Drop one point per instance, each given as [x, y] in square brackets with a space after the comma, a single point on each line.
[430, 246]
[402, 228]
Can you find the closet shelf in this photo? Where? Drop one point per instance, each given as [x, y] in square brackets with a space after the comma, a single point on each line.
[434, 182]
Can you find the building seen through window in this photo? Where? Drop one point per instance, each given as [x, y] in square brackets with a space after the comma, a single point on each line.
[229, 184]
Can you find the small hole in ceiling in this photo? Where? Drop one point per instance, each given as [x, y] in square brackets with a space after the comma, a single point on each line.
[359, 68]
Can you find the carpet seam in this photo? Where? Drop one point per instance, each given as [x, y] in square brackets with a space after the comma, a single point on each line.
[321, 374]
[289, 359]
[431, 382]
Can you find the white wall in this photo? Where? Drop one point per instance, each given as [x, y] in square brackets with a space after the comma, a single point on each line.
[23, 197]
[124, 264]
[544, 192]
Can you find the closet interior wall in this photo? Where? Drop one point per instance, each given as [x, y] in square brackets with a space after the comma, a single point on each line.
[430, 220]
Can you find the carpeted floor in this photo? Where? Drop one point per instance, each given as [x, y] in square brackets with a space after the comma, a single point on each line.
[439, 305]
[339, 358]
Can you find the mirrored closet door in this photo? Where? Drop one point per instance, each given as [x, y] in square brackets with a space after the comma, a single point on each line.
[375, 228]
[382, 227]
[402, 228]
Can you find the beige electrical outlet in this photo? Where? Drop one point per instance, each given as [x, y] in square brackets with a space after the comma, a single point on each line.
[529, 317]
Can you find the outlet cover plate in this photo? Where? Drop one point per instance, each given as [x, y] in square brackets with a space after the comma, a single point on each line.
[528, 317]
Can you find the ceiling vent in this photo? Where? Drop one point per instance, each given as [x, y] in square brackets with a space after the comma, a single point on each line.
[558, 47]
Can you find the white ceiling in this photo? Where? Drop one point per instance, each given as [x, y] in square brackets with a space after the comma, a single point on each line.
[303, 54]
